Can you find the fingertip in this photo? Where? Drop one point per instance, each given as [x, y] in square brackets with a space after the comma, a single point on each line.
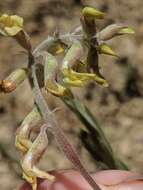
[25, 186]
[64, 180]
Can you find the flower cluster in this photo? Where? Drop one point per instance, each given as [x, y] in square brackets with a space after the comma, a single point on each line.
[79, 66]
[80, 62]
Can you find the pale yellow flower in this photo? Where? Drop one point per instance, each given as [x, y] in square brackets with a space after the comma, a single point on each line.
[72, 77]
[56, 89]
[10, 25]
[75, 79]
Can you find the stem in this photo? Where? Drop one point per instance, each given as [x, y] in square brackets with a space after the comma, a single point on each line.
[96, 142]
[63, 143]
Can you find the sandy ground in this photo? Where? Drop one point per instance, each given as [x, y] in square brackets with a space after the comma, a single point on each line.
[119, 109]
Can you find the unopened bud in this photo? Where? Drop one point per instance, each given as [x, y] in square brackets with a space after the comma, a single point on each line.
[113, 30]
[13, 80]
[92, 13]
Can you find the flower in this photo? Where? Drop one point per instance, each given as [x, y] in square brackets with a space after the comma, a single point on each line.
[10, 25]
[112, 31]
[73, 77]
[50, 76]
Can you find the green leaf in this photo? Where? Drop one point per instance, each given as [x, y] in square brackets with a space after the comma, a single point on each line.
[93, 137]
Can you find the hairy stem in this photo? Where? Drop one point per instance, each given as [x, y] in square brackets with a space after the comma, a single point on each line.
[48, 116]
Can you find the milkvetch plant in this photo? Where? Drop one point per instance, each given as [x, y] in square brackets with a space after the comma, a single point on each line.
[80, 65]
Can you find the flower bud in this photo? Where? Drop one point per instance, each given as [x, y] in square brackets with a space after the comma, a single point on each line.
[92, 13]
[113, 30]
[13, 80]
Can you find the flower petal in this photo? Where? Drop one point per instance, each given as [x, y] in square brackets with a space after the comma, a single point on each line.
[17, 20]
[57, 48]
[12, 31]
[76, 79]
[106, 49]
[56, 89]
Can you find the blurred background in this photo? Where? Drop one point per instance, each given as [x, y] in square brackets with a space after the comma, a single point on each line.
[118, 109]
